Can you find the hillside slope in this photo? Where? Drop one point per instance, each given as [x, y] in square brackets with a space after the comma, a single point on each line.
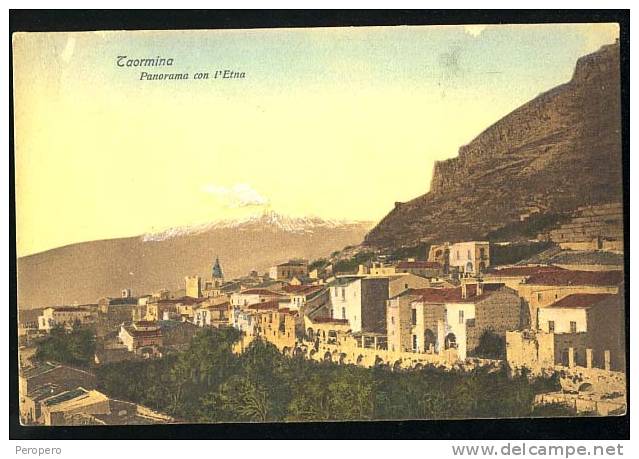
[559, 151]
[86, 271]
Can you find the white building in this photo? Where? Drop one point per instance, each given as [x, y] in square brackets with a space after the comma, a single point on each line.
[570, 314]
[253, 296]
[65, 316]
[470, 257]
[361, 301]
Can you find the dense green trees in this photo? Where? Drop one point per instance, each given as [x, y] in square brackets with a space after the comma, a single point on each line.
[491, 346]
[76, 346]
[208, 383]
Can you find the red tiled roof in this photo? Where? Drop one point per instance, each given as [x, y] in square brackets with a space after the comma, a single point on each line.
[329, 320]
[301, 289]
[418, 265]
[454, 295]
[517, 271]
[274, 304]
[568, 277]
[259, 291]
[581, 300]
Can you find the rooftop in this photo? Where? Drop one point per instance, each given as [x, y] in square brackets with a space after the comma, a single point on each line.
[581, 300]
[38, 369]
[69, 308]
[329, 320]
[454, 295]
[274, 304]
[522, 271]
[418, 265]
[301, 289]
[294, 263]
[259, 291]
[74, 399]
[569, 277]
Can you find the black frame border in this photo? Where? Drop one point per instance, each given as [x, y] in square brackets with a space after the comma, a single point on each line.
[604, 428]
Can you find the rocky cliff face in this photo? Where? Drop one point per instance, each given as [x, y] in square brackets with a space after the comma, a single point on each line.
[559, 151]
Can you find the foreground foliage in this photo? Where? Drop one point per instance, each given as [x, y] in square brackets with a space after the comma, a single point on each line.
[208, 383]
[75, 347]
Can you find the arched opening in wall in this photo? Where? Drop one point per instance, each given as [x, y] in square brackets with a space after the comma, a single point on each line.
[342, 358]
[397, 365]
[312, 353]
[429, 339]
[310, 334]
[332, 337]
[360, 359]
[378, 361]
[482, 266]
[585, 387]
[299, 352]
[469, 267]
[418, 366]
[327, 357]
[451, 341]
[286, 351]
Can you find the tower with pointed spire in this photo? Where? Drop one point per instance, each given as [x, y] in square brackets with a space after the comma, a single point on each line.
[213, 284]
[216, 272]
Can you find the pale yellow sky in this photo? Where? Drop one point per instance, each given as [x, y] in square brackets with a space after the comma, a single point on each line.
[338, 123]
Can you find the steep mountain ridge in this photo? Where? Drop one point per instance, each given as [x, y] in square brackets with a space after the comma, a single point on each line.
[555, 153]
[86, 271]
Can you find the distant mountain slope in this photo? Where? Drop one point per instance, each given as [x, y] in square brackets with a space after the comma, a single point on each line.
[559, 151]
[86, 271]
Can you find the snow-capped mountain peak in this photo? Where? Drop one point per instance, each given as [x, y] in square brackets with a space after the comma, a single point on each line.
[266, 220]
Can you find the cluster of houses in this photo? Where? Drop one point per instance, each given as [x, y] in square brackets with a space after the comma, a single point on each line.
[60, 395]
[404, 313]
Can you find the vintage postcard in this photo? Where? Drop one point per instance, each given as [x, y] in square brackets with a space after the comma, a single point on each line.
[319, 224]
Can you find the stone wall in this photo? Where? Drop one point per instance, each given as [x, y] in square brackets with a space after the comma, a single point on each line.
[592, 228]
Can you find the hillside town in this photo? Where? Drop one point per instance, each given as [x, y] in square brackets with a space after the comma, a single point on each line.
[454, 307]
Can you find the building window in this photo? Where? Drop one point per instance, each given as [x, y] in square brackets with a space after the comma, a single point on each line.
[406, 286]
[457, 254]
[468, 254]
[343, 293]
[539, 297]
[392, 320]
[461, 317]
[414, 341]
[551, 326]
[573, 327]
[343, 313]
[413, 317]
